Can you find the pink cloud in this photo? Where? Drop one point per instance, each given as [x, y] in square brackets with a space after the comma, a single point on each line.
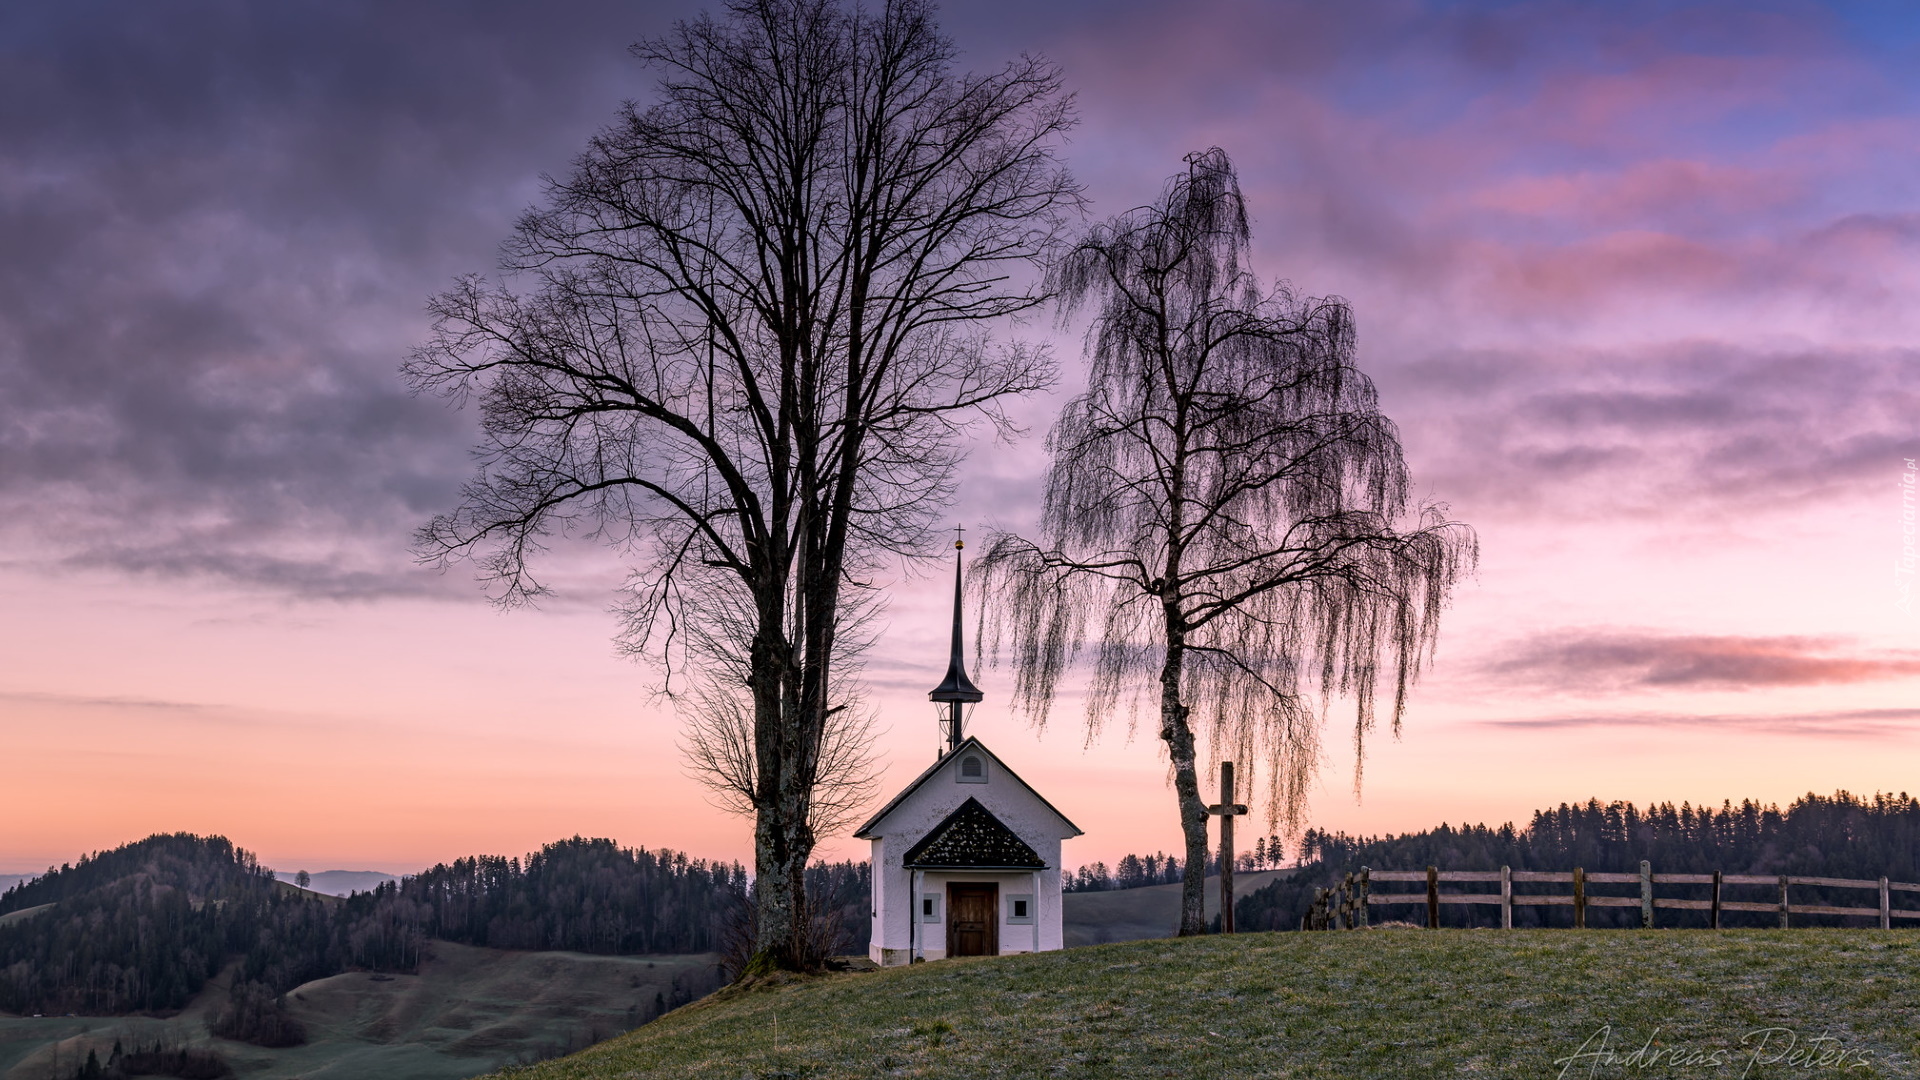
[1857, 269]
[1645, 191]
[1644, 103]
[1878, 725]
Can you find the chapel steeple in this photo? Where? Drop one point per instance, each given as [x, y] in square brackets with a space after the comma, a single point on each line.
[956, 689]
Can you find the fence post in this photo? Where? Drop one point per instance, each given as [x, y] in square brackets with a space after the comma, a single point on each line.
[1646, 894]
[1784, 908]
[1433, 898]
[1886, 908]
[1506, 898]
[1364, 889]
[1716, 899]
[1579, 898]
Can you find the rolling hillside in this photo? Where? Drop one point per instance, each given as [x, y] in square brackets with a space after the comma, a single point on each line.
[467, 1011]
[1152, 911]
[1380, 1004]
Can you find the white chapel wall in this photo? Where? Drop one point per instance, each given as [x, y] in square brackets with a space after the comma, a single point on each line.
[1019, 809]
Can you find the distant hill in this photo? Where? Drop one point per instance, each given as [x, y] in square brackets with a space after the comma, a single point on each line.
[146, 927]
[8, 881]
[342, 882]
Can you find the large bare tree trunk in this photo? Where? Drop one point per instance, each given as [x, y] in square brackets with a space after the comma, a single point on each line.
[779, 863]
[733, 342]
[1173, 710]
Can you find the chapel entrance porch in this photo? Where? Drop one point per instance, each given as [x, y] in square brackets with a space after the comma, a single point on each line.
[973, 919]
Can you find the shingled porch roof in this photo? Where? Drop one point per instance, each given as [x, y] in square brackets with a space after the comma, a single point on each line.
[971, 838]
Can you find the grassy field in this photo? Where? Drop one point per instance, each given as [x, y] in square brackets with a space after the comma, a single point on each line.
[1379, 1003]
[23, 914]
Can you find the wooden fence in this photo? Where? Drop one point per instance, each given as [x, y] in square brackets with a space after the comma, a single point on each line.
[1350, 911]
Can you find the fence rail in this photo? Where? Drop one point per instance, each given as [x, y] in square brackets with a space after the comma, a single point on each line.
[1579, 879]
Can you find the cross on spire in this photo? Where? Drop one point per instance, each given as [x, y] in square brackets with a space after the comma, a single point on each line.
[959, 537]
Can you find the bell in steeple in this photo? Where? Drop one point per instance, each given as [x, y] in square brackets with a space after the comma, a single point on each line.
[956, 689]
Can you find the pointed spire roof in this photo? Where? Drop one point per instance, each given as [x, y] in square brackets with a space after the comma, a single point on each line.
[956, 686]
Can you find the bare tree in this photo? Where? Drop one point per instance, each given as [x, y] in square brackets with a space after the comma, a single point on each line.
[719, 745]
[1223, 512]
[739, 342]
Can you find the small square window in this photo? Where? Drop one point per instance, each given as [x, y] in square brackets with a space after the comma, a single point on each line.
[930, 907]
[1019, 909]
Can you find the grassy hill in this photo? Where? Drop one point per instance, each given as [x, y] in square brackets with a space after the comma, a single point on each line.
[467, 1011]
[1151, 911]
[1379, 1003]
[24, 914]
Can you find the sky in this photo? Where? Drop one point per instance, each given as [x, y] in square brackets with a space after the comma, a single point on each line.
[1636, 281]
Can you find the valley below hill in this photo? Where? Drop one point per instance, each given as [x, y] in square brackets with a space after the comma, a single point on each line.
[469, 1010]
[1150, 911]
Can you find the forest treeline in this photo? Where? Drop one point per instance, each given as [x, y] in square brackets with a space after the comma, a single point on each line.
[1841, 835]
[579, 895]
[142, 928]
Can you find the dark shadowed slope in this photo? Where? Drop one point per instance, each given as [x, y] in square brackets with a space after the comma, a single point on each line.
[468, 1011]
[1152, 911]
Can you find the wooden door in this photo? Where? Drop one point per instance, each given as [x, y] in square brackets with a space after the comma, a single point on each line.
[973, 920]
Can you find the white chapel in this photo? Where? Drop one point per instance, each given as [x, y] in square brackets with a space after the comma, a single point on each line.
[966, 859]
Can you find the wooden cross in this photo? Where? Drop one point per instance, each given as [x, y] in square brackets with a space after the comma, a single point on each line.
[1227, 810]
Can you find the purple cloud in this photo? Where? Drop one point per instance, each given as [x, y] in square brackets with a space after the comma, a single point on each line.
[1634, 660]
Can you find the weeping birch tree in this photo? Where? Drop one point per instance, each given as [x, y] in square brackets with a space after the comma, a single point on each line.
[739, 342]
[1227, 517]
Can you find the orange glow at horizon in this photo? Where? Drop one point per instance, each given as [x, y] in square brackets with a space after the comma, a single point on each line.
[1636, 285]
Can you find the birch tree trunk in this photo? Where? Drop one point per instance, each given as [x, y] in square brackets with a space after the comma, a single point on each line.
[1178, 735]
[1226, 510]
